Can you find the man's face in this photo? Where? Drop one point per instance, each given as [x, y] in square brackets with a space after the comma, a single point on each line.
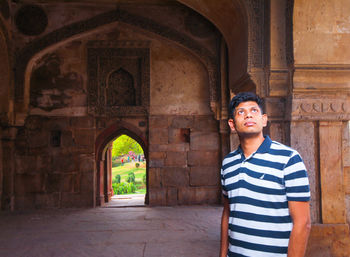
[248, 119]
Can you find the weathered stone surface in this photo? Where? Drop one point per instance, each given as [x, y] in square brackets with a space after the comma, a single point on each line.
[69, 200]
[332, 194]
[82, 122]
[156, 163]
[179, 136]
[157, 155]
[158, 136]
[64, 163]
[181, 122]
[346, 144]
[29, 183]
[171, 196]
[275, 108]
[205, 176]
[308, 30]
[329, 240]
[85, 182]
[276, 132]
[35, 122]
[45, 200]
[203, 158]
[67, 182]
[158, 122]
[157, 196]
[205, 123]
[26, 164]
[169, 147]
[303, 140]
[154, 177]
[84, 137]
[174, 177]
[57, 123]
[204, 141]
[37, 138]
[67, 138]
[86, 164]
[53, 182]
[178, 159]
[347, 180]
[198, 195]
[25, 202]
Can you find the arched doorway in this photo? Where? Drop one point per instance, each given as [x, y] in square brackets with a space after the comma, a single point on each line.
[128, 173]
[104, 144]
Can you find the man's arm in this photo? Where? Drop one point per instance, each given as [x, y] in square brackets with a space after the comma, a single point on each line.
[224, 228]
[300, 213]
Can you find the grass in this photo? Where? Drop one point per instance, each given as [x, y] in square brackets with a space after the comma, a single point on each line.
[124, 170]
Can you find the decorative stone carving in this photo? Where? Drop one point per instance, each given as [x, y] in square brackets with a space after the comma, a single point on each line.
[24, 55]
[321, 109]
[120, 89]
[119, 78]
[256, 14]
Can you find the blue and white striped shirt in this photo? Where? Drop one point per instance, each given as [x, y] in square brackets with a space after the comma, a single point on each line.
[258, 189]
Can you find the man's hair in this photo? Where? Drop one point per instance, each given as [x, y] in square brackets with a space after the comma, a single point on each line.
[244, 97]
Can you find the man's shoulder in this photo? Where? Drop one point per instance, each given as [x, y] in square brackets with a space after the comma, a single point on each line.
[278, 148]
[232, 154]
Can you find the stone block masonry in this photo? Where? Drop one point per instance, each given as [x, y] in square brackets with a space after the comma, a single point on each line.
[184, 160]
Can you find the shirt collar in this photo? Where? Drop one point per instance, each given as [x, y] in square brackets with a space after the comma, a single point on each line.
[263, 148]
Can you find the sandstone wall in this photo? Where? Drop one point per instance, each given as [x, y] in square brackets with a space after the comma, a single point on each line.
[53, 156]
[320, 114]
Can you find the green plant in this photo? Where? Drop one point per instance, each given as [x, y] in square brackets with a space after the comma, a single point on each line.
[117, 178]
[131, 177]
[137, 165]
[123, 188]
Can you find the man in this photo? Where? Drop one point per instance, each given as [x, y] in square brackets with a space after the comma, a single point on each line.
[265, 187]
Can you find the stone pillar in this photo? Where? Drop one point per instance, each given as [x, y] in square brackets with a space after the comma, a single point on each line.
[279, 74]
[332, 194]
[320, 108]
[101, 199]
[8, 168]
[109, 173]
[224, 129]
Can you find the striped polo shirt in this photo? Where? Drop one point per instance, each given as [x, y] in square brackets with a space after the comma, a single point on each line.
[258, 189]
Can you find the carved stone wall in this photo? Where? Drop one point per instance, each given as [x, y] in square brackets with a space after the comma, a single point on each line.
[104, 92]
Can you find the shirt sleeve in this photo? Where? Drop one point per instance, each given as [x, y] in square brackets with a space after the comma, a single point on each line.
[296, 179]
[223, 187]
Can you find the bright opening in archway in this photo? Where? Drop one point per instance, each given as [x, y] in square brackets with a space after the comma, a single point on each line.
[128, 172]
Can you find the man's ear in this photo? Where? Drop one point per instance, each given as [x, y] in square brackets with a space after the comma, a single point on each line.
[231, 124]
[264, 117]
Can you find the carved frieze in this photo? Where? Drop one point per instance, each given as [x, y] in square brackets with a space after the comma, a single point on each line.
[119, 78]
[321, 109]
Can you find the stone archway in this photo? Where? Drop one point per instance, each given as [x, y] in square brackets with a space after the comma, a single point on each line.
[103, 154]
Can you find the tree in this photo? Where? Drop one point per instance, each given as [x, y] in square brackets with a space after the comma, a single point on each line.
[123, 144]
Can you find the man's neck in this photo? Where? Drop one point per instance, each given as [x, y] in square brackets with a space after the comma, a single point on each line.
[249, 145]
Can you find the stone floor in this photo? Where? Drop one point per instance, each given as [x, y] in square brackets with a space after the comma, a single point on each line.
[127, 200]
[112, 231]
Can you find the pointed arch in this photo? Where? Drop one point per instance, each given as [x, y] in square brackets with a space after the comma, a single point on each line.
[102, 143]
